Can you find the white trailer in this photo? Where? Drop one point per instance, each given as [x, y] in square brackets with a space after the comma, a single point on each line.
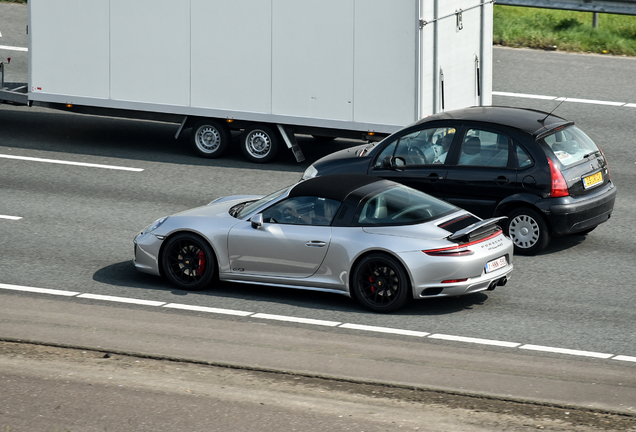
[270, 68]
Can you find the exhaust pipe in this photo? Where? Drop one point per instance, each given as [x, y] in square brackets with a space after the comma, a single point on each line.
[500, 282]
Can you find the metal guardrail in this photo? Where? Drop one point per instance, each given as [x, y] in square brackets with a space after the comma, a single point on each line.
[622, 7]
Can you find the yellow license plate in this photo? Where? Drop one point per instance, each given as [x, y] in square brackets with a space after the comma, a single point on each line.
[593, 180]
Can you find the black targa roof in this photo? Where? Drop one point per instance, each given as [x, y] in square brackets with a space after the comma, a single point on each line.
[336, 186]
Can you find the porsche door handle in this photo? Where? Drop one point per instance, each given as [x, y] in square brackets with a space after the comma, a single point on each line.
[316, 243]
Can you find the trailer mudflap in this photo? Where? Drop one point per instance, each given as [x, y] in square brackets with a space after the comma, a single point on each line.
[290, 141]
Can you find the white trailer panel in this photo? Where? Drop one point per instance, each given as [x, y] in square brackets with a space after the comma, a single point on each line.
[231, 51]
[385, 64]
[350, 65]
[150, 51]
[69, 52]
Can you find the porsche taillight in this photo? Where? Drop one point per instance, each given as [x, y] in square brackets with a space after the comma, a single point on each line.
[558, 186]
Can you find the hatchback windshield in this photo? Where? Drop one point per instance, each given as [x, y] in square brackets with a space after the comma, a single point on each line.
[401, 205]
[570, 145]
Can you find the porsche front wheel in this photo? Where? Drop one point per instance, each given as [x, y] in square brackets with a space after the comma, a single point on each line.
[380, 283]
[188, 262]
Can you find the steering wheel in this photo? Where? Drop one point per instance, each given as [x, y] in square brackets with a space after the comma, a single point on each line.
[418, 153]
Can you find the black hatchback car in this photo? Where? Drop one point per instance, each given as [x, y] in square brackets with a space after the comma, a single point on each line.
[541, 171]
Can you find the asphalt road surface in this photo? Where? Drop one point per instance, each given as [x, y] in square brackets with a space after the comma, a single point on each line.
[74, 190]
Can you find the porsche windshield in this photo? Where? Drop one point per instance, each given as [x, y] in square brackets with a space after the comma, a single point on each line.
[240, 211]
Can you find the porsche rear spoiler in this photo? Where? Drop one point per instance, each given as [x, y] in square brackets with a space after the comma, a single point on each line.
[475, 231]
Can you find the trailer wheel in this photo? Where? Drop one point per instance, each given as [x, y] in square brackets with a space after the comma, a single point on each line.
[210, 139]
[259, 144]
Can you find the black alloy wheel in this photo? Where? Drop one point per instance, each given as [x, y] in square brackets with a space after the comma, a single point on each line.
[380, 283]
[188, 262]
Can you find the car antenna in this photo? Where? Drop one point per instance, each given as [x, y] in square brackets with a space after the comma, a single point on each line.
[542, 121]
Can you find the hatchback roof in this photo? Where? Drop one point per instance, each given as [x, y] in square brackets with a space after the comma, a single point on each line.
[531, 121]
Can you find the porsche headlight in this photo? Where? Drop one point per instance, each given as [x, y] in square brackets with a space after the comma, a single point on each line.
[310, 172]
[156, 224]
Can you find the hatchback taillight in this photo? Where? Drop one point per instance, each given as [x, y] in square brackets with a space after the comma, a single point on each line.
[606, 164]
[558, 186]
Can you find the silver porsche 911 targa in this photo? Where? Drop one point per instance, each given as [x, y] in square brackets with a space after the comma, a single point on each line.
[377, 241]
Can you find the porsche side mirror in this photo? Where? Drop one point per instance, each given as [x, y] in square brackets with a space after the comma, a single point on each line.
[393, 163]
[257, 221]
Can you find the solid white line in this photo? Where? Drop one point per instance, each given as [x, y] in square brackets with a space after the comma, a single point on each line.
[10, 217]
[121, 299]
[83, 164]
[475, 340]
[566, 351]
[12, 48]
[296, 320]
[38, 290]
[207, 309]
[624, 358]
[384, 330]
[631, 105]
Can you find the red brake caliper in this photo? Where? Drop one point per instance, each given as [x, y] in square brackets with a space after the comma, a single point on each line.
[371, 280]
[201, 266]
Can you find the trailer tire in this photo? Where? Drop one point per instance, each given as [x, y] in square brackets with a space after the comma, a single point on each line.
[259, 144]
[210, 139]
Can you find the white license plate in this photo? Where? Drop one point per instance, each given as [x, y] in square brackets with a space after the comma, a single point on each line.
[496, 264]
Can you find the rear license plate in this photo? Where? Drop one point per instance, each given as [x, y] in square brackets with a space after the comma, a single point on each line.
[496, 264]
[592, 180]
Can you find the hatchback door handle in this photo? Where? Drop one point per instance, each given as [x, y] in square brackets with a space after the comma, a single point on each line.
[316, 243]
[432, 178]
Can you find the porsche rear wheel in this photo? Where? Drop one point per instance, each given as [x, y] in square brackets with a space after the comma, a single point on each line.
[380, 283]
[188, 262]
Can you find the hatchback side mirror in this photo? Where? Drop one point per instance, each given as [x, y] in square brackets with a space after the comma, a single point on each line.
[257, 221]
[393, 163]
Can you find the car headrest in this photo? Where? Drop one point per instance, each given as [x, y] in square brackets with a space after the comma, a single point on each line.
[472, 146]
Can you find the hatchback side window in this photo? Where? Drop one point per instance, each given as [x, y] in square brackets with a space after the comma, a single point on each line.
[523, 158]
[484, 148]
[421, 147]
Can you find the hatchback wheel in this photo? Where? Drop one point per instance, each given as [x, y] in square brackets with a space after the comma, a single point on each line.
[188, 262]
[380, 283]
[528, 231]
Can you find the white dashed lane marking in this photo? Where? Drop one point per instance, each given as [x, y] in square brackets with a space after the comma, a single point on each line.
[63, 162]
[564, 99]
[15, 218]
[310, 321]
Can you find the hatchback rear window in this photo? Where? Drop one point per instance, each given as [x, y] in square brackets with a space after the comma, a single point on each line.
[570, 145]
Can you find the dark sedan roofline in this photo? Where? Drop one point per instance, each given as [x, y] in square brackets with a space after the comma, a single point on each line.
[530, 121]
[336, 187]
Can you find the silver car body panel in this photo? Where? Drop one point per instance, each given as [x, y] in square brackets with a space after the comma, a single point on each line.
[322, 257]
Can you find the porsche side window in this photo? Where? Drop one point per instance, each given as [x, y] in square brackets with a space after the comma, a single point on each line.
[305, 210]
[484, 148]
